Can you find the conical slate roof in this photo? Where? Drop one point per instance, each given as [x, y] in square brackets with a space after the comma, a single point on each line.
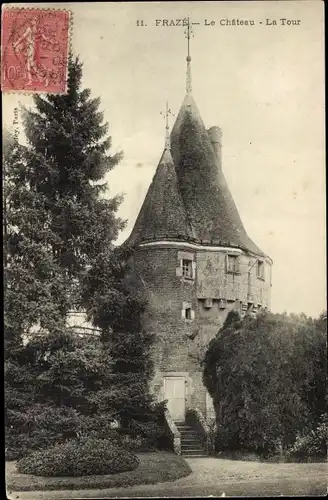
[205, 193]
[189, 198]
[162, 214]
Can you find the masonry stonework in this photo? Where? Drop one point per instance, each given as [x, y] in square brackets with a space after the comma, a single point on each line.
[181, 343]
[193, 258]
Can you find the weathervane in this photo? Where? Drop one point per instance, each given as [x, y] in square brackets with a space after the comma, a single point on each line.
[166, 114]
[189, 33]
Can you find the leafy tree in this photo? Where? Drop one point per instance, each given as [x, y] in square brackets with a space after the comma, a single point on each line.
[263, 376]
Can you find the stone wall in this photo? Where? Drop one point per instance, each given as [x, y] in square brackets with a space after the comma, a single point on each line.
[213, 280]
[181, 343]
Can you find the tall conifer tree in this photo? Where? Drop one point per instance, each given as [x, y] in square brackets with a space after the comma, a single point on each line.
[57, 220]
[56, 223]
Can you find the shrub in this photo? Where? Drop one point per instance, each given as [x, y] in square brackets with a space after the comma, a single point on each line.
[263, 374]
[98, 426]
[39, 427]
[136, 443]
[79, 457]
[147, 432]
[312, 445]
[17, 445]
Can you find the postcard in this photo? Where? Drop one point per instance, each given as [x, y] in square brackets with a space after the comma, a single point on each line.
[186, 138]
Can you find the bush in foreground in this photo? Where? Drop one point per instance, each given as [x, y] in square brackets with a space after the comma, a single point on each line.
[39, 427]
[80, 457]
[156, 467]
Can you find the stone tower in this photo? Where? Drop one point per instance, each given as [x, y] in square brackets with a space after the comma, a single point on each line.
[193, 257]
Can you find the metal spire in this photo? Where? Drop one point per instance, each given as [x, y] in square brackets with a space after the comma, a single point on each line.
[166, 114]
[189, 33]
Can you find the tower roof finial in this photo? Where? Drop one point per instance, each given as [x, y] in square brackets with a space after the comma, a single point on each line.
[166, 114]
[189, 33]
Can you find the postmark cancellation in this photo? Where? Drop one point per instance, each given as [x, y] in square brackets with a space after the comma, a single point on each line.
[35, 50]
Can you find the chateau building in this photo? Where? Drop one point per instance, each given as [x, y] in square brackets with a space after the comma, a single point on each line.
[193, 257]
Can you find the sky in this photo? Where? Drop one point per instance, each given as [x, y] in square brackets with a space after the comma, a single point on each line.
[262, 84]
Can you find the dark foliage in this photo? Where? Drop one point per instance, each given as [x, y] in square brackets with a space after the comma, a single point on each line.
[136, 444]
[59, 242]
[266, 377]
[39, 427]
[116, 305]
[56, 224]
[312, 445]
[80, 457]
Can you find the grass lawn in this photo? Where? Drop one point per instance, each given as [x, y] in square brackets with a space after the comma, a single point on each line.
[210, 477]
[223, 470]
[154, 467]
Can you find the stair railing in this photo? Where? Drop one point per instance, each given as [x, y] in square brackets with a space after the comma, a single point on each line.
[172, 432]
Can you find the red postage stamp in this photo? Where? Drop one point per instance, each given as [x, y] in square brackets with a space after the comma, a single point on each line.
[34, 50]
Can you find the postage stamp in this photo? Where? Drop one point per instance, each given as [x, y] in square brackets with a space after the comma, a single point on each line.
[34, 50]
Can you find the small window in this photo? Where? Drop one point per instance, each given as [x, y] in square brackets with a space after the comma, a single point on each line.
[260, 269]
[187, 268]
[232, 263]
[188, 313]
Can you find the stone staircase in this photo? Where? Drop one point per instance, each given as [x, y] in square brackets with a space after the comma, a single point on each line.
[191, 445]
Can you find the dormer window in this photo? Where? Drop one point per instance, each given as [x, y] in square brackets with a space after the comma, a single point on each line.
[260, 269]
[232, 264]
[187, 268]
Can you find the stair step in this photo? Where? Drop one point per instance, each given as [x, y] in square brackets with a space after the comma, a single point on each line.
[191, 445]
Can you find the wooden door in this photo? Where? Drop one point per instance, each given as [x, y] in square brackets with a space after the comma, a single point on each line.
[174, 392]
